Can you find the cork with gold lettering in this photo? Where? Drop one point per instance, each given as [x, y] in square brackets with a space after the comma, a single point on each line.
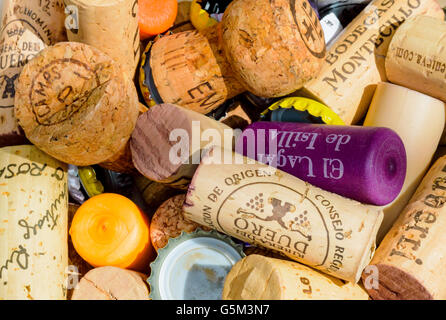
[190, 70]
[276, 48]
[262, 278]
[416, 58]
[355, 62]
[262, 205]
[409, 263]
[26, 28]
[109, 25]
[76, 104]
[33, 225]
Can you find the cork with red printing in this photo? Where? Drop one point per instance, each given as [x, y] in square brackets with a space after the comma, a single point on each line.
[76, 104]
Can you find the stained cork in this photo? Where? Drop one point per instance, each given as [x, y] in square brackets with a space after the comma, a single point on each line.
[76, 104]
[27, 27]
[354, 65]
[168, 141]
[109, 25]
[410, 261]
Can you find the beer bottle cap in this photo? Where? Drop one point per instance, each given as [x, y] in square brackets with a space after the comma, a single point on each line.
[298, 109]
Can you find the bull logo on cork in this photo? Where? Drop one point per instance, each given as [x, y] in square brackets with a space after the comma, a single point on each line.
[309, 27]
[277, 217]
[280, 210]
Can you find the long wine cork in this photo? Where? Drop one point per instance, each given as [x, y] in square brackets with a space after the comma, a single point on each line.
[33, 225]
[112, 283]
[263, 205]
[109, 25]
[260, 278]
[27, 27]
[76, 104]
[199, 70]
[355, 62]
[419, 121]
[190, 70]
[410, 261]
[168, 141]
[274, 49]
[416, 59]
[364, 164]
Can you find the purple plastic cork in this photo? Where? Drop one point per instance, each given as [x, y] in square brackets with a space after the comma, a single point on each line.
[367, 164]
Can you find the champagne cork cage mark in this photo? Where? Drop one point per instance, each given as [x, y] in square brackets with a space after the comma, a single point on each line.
[45, 80]
[309, 28]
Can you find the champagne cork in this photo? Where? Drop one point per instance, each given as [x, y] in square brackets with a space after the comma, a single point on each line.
[190, 70]
[419, 121]
[276, 48]
[182, 21]
[199, 70]
[33, 225]
[262, 205]
[168, 141]
[109, 25]
[76, 104]
[360, 163]
[415, 58]
[261, 278]
[27, 27]
[112, 283]
[410, 261]
[355, 62]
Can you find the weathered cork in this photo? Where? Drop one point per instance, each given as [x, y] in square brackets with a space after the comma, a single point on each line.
[76, 104]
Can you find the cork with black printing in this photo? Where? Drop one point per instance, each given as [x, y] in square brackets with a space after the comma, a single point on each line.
[27, 27]
[409, 263]
[256, 277]
[273, 46]
[76, 104]
[355, 62]
[190, 70]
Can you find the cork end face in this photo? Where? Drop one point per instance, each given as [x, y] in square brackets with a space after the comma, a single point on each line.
[75, 103]
[252, 278]
[394, 284]
[278, 56]
[159, 141]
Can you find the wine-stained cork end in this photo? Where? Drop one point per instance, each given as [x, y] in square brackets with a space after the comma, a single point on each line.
[395, 284]
[76, 104]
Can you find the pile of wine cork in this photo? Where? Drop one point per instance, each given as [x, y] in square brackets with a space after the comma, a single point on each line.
[305, 137]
